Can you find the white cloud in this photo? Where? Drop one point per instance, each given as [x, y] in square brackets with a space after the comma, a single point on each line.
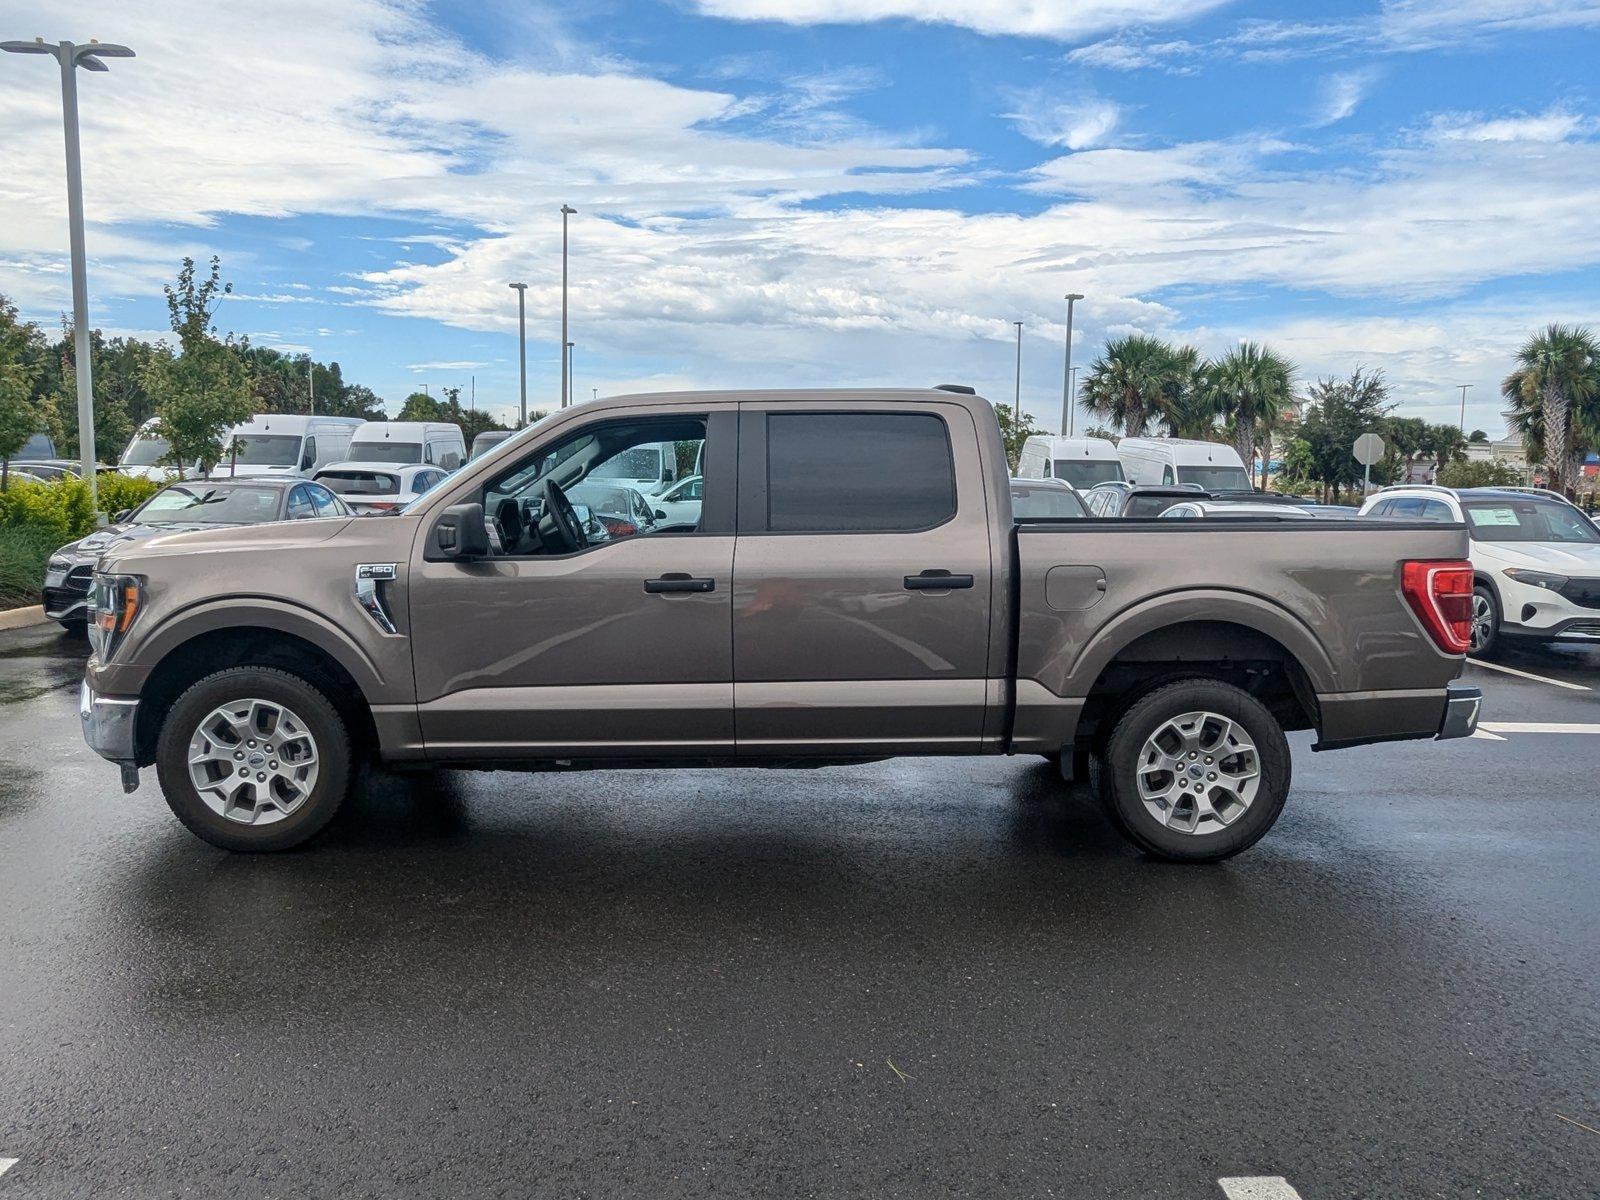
[1059, 19]
[1126, 53]
[453, 365]
[1553, 125]
[1342, 93]
[1073, 124]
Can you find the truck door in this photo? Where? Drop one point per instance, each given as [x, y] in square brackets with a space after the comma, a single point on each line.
[618, 647]
[862, 572]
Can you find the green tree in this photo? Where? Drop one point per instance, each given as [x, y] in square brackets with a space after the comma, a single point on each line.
[1445, 445]
[419, 406]
[1477, 435]
[1252, 387]
[1337, 411]
[203, 389]
[21, 415]
[1015, 429]
[1132, 383]
[1191, 409]
[1465, 474]
[1554, 391]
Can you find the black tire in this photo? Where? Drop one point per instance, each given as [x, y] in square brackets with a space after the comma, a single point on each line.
[305, 700]
[1491, 642]
[1116, 782]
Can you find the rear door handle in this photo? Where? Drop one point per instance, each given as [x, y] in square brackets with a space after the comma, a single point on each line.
[679, 581]
[936, 580]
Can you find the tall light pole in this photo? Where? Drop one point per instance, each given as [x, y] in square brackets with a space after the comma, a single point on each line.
[1463, 387]
[1016, 410]
[566, 211]
[311, 385]
[566, 399]
[522, 348]
[72, 57]
[1066, 371]
[1073, 391]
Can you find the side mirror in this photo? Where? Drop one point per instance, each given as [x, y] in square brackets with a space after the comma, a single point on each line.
[461, 534]
[121, 515]
[661, 514]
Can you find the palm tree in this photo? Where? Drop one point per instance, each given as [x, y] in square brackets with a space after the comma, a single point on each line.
[1131, 384]
[1251, 386]
[1554, 393]
[1191, 412]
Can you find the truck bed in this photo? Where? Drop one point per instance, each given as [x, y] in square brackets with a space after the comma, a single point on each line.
[1296, 601]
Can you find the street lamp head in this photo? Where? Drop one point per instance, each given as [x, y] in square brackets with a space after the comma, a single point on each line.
[568, 210]
[518, 286]
[37, 46]
[1074, 296]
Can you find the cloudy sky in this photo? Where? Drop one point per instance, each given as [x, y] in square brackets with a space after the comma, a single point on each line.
[821, 192]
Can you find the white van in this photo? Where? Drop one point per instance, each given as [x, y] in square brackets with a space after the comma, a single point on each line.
[409, 443]
[1082, 462]
[652, 467]
[148, 456]
[1211, 466]
[279, 444]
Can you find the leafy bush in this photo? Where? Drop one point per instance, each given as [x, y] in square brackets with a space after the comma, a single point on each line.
[37, 519]
[1477, 474]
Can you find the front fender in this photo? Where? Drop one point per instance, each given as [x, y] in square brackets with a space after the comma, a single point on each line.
[127, 677]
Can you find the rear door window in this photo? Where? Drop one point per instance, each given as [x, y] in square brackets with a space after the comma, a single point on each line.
[300, 506]
[855, 472]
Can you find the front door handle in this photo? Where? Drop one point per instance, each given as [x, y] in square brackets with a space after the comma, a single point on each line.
[936, 580]
[679, 581]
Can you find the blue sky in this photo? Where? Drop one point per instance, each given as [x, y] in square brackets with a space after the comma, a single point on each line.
[813, 192]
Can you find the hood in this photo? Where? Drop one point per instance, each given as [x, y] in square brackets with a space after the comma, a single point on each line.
[223, 539]
[1562, 558]
[155, 473]
[112, 536]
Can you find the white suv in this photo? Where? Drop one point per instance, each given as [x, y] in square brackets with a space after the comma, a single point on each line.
[1535, 558]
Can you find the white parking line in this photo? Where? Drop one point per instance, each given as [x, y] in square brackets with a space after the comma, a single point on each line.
[1560, 683]
[1257, 1187]
[7, 1163]
[1486, 736]
[1537, 727]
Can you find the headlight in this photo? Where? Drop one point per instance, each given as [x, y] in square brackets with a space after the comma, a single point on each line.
[1540, 579]
[114, 604]
[60, 562]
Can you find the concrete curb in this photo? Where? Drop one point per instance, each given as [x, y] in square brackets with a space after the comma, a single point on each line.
[21, 618]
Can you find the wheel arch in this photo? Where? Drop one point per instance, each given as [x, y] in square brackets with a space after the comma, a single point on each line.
[185, 661]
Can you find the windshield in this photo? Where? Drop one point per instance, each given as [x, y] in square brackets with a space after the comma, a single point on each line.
[1217, 479]
[1150, 506]
[636, 462]
[385, 452]
[146, 451]
[1045, 502]
[264, 450]
[1084, 473]
[210, 506]
[1527, 521]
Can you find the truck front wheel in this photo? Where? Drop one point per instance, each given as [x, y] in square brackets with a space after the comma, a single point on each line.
[1196, 771]
[254, 758]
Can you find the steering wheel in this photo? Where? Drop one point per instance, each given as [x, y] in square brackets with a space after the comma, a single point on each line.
[559, 527]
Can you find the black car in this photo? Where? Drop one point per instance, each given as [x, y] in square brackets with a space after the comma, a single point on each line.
[179, 508]
[1121, 499]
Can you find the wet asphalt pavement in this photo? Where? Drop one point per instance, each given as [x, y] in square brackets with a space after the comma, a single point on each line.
[922, 978]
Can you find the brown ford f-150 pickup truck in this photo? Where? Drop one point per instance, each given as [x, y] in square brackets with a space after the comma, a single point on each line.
[845, 583]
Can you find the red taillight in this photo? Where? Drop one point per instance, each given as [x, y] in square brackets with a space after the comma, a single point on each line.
[1440, 593]
[621, 528]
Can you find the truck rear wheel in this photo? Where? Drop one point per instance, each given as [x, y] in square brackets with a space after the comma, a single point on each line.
[254, 759]
[1196, 771]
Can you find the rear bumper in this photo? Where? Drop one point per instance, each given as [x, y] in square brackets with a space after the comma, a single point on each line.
[1462, 702]
[108, 724]
[1362, 718]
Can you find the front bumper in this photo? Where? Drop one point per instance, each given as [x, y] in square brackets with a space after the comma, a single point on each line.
[108, 724]
[1462, 702]
[1574, 629]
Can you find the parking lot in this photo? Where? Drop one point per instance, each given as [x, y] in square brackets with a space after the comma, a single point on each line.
[924, 977]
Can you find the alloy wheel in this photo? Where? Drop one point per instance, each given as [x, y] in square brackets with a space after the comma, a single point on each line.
[253, 761]
[1198, 772]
